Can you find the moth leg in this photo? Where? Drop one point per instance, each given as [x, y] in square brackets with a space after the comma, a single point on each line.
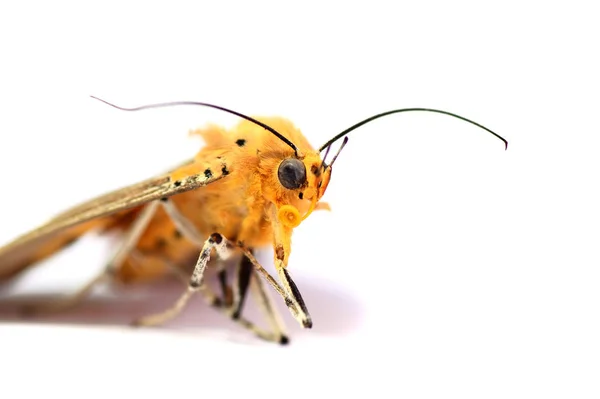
[290, 294]
[295, 305]
[190, 232]
[195, 284]
[226, 291]
[239, 291]
[247, 278]
[127, 245]
[266, 304]
[301, 312]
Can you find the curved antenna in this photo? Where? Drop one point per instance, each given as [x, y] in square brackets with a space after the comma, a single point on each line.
[397, 111]
[175, 103]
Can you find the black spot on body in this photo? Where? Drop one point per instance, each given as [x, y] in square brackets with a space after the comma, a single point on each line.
[240, 142]
[177, 183]
[315, 170]
[301, 195]
[208, 173]
[164, 199]
[177, 234]
[224, 170]
[161, 243]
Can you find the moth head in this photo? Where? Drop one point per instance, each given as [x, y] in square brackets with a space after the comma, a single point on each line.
[305, 180]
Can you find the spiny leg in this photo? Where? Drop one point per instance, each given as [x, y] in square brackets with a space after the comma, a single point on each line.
[190, 232]
[290, 294]
[245, 276]
[233, 298]
[126, 246]
[195, 283]
[266, 304]
[302, 314]
[244, 273]
[178, 272]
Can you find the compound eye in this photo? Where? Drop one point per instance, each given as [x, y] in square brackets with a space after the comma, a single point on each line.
[292, 173]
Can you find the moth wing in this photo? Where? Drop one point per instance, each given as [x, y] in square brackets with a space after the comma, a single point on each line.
[71, 224]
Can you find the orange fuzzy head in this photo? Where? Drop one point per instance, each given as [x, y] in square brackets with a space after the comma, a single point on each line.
[290, 175]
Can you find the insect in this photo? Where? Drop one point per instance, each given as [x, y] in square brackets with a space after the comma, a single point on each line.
[249, 187]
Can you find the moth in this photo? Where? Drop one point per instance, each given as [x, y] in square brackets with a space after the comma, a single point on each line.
[247, 188]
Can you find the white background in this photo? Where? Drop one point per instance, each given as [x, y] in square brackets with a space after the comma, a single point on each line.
[448, 267]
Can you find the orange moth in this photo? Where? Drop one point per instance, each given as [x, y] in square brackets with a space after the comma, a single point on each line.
[249, 187]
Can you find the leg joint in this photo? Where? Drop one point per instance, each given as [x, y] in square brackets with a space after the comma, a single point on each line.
[215, 238]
